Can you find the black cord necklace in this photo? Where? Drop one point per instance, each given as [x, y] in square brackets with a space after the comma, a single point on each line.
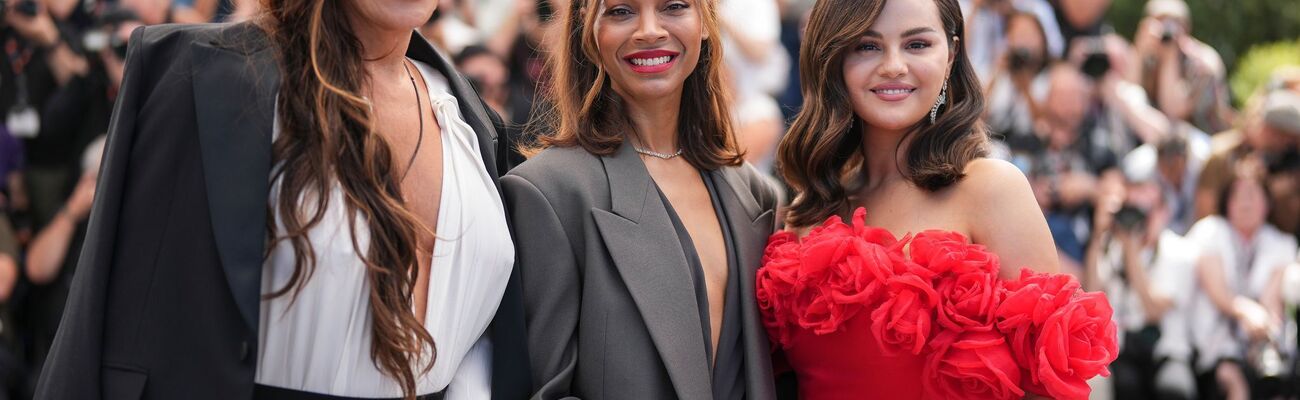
[419, 109]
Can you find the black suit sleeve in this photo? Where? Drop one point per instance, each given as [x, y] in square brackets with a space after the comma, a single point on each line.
[73, 369]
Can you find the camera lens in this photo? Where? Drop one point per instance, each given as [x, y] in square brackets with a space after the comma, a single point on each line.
[1096, 65]
[1021, 59]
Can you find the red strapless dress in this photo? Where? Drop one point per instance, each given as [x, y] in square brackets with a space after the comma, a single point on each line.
[857, 317]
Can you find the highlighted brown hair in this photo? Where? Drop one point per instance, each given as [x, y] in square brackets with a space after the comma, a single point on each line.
[585, 111]
[821, 156]
[326, 139]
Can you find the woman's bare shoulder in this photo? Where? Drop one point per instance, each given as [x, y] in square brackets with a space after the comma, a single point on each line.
[992, 180]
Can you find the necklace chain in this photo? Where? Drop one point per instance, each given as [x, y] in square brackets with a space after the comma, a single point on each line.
[655, 154]
[419, 111]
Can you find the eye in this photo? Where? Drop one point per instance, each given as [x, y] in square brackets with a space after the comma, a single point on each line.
[677, 6]
[618, 11]
[918, 45]
[867, 47]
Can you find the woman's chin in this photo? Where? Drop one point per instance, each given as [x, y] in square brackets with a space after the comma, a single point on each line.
[891, 123]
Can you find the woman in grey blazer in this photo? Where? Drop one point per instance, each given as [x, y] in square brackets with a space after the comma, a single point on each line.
[638, 226]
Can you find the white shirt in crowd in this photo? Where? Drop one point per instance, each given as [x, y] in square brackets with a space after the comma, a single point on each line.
[1248, 266]
[320, 342]
[1171, 269]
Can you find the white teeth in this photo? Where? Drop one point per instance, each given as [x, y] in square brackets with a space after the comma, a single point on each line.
[894, 91]
[645, 62]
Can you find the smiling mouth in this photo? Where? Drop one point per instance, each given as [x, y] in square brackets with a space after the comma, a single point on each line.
[651, 61]
[893, 92]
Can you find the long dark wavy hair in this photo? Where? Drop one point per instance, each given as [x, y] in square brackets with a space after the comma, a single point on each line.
[585, 111]
[821, 156]
[327, 138]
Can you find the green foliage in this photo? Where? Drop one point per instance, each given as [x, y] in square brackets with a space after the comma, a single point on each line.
[1230, 26]
[1255, 67]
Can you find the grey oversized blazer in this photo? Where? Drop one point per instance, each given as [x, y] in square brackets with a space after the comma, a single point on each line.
[611, 312]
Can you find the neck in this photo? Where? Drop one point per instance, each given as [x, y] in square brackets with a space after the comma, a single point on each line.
[886, 153]
[1246, 233]
[654, 122]
[383, 50]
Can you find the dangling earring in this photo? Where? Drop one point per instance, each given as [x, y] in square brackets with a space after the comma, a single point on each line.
[943, 98]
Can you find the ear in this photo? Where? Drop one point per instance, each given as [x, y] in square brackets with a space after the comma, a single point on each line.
[952, 55]
[704, 27]
[952, 52]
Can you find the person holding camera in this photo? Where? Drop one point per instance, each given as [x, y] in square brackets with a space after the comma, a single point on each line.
[40, 57]
[1019, 82]
[51, 260]
[989, 25]
[1267, 143]
[1184, 77]
[1237, 315]
[1179, 157]
[1147, 272]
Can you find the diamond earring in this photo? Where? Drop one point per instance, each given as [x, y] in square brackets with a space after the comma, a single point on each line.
[943, 98]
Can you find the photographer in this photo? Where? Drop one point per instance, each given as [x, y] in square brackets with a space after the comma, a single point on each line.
[1179, 158]
[52, 258]
[988, 25]
[1019, 82]
[36, 61]
[1148, 273]
[1238, 314]
[487, 72]
[1266, 144]
[1184, 77]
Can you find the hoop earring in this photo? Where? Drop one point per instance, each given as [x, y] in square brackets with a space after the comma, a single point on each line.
[943, 98]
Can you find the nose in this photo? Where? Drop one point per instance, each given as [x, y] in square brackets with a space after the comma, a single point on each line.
[649, 30]
[892, 66]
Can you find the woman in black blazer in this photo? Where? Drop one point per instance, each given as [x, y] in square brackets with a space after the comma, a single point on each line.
[169, 295]
[639, 228]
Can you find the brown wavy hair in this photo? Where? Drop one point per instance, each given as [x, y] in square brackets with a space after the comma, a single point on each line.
[821, 156]
[585, 111]
[327, 138]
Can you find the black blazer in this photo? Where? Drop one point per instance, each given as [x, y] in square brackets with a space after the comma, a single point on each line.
[165, 301]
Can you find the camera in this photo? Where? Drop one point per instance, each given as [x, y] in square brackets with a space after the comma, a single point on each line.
[1022, 60]
[1096, 65]
[1130, 218]
[1170, 30]
[102, 35]
[28, 8]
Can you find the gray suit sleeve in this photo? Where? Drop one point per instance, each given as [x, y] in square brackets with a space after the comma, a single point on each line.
[551, 288]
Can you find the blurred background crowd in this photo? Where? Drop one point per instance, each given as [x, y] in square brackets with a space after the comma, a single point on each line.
[1161, 137]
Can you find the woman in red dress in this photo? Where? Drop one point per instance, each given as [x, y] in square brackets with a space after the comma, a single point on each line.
[922, 294]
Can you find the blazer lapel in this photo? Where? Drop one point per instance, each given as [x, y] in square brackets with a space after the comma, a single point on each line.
[234, 98]
[471, 106]
[750, 227]
[645, 249]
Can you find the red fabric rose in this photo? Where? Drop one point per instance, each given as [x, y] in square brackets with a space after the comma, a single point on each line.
[971, 365]
[949, 252]
[968, 301]
[824, 279]
[1027, 303]
[1061, 336]
[1075, 344]
[903, 323]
